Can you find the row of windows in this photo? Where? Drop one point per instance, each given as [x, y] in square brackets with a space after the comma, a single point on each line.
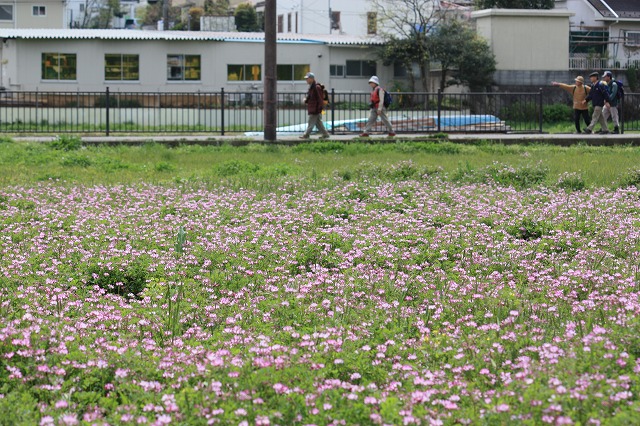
[6, 11]
[126, 67]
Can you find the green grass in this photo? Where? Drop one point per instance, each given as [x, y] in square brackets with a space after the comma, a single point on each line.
[27, 162]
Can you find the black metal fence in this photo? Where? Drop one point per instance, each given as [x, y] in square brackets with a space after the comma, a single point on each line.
[241, 112]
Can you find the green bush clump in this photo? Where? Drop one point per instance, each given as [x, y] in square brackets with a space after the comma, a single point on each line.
[528, 229]
[518, 177]
[571, 181]
[320, 147]
[631, 178]
[127, 280]
[163, 166]
[236, 167]
[76, 160]
[66, 143]
[556, 113]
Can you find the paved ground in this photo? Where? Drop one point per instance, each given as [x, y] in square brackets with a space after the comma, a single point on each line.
[506, 138]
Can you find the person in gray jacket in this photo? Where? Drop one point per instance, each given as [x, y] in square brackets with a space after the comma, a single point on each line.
[611, 105]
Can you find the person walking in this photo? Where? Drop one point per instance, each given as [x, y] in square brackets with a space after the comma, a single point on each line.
[315, 105]
[579, 91]
[610, 108]
[598, 95]
[377, 109]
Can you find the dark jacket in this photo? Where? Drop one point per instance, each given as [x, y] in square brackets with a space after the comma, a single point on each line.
[315, 103]
[599, 94]
[613, 93]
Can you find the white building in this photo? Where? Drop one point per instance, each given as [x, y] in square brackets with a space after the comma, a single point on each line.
[179, 61]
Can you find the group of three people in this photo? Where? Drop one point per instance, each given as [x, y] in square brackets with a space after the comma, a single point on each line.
[603, 95]
[316, 103]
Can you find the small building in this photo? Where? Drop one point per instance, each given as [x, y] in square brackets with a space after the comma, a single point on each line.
[177, 61]
[530, 46]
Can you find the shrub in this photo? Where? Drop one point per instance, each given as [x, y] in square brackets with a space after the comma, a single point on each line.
[320, 147]
[76, 160]
[163, 166]
[528, 229]
[631, 178]
[556, 113]
[66, 143]
[236, 167]
[571, 181]
[120, 280]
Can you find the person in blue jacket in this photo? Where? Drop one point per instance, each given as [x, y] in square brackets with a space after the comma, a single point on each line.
[598, 95]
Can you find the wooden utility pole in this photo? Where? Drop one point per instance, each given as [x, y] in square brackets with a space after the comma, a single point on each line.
[270, 89]
[165, 14]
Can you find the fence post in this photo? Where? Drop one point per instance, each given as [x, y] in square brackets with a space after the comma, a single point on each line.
[439, 109]
[540, 115]
[106, 104]
[621, 115]
[222, 112]
[333, 110]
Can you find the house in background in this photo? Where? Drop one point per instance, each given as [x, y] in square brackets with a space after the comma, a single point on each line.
[32, 14]
[604, 34]
[352, 17]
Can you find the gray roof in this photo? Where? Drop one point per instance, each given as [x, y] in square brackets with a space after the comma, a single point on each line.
[629, 9]
[84, 34]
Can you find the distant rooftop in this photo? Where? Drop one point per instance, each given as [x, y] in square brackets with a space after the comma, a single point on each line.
[78, 34]
[623, 8]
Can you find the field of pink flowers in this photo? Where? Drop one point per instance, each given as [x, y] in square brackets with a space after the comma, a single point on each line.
[413, 302]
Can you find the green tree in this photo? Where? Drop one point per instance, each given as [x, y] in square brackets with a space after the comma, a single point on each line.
[515, 4]
[410, 21]
[216, 7]
[104, 18]
[476, 65]
[246, 18]
[459, 50]
[193, 23]
[153, 14]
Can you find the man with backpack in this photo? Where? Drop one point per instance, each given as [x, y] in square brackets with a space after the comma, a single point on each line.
[598, 95]
[378, 108]
[315, 105]
[579, 91]
[611, 105]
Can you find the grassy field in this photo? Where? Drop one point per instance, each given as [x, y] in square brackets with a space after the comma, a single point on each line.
[67, 161]
[323, 284]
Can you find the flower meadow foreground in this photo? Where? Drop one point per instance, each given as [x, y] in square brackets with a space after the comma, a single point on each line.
[415, 302]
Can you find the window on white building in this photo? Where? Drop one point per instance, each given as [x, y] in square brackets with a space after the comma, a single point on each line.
[287, 72]
[183, 67]
[121, 67]
[632, 38]
[336, 70]
[59, 66]
[252, 72]
[361, 68]
[6, 12]
[39, 11]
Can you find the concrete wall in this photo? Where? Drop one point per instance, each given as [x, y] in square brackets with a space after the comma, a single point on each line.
[526, 39]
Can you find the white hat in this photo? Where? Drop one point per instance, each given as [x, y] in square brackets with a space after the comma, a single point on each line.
[375, 80]
[309, 75]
